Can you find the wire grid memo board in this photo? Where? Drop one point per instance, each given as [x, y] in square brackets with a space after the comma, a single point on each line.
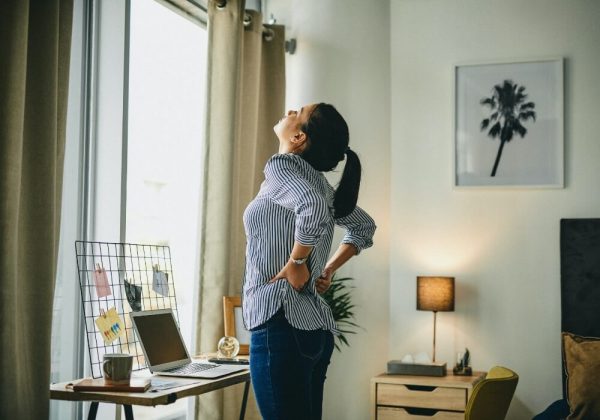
[138, 265]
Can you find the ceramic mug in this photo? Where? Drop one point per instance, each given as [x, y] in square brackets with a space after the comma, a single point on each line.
[117, 368]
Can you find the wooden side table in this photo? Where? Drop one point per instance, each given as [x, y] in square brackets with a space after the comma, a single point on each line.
[399, 397]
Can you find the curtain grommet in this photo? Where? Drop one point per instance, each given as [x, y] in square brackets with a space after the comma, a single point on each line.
[268, 34]
[247, 20]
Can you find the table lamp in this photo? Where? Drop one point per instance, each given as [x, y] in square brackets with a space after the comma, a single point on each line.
[435, 294]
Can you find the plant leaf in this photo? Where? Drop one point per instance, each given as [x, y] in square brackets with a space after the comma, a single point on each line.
[339, 299]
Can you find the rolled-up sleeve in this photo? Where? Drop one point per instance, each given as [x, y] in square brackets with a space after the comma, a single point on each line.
[287, 187]
[360, 228]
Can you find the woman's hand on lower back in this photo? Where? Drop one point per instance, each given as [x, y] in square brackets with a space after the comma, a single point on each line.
[324, 280]
[297, 275]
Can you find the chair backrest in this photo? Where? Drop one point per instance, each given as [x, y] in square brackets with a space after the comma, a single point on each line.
[491, 397]
[579, 279]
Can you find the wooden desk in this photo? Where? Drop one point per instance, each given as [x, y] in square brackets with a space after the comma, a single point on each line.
[396, 397]
[190, 387]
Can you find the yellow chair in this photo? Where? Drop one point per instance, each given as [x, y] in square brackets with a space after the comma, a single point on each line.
[491, 396]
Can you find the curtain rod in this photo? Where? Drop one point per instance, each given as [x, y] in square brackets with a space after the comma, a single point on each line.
[289, 45]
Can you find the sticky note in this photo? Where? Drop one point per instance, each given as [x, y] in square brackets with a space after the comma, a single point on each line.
[110, 325]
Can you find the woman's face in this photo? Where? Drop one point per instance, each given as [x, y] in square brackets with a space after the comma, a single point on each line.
[288, 129]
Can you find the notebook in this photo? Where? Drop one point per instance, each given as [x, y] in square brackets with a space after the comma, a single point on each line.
[134, 385]
[165, 351]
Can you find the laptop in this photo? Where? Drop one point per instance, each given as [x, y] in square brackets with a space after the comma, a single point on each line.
[165, 351]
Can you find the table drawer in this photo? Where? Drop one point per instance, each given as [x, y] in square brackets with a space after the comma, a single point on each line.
[392, 413]
[440, 398]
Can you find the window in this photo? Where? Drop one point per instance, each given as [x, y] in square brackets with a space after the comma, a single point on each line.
[139, 161]
[164, 148]
[165, 137]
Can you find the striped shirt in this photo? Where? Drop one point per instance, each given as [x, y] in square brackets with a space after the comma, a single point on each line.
[294, 203]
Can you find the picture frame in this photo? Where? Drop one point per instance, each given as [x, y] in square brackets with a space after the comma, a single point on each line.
[234, 324]
[509, 124]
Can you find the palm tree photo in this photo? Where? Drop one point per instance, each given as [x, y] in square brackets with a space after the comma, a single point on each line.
[508, 108]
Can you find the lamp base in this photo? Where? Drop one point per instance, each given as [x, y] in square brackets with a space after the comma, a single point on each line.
[396, 367]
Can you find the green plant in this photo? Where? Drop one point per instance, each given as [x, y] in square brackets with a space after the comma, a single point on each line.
[338, 296]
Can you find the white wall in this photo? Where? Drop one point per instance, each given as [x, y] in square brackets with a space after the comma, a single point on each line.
[501, 245]
[343, 58]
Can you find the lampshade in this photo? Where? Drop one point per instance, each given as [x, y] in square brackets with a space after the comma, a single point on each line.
[435, 293]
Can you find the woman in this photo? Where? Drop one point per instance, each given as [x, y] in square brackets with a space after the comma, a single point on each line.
[289, 230]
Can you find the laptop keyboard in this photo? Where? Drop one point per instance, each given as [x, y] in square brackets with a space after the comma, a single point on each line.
[192, 368]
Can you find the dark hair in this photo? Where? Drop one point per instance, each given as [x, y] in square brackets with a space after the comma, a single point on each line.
[326, 145]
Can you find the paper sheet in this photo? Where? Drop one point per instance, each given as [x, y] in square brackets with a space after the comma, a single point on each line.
[110, 325]
[160, 282]
[101, 282]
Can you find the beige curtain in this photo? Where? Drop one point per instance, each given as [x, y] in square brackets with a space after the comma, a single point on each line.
[35, 39]
[246, 94]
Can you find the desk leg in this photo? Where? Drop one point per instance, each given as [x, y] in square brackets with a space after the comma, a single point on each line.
[244, 400]
[128, 412]
[93, 410]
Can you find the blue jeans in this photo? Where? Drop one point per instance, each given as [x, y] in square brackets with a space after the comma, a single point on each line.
[288, 368]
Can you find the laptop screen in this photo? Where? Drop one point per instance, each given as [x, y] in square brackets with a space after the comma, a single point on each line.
[160, 338]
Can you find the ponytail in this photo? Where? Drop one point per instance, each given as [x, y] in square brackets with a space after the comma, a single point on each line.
[346, 194]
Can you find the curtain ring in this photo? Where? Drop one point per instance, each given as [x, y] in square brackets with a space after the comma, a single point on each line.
[247, 20]
[221, 4]
[268, 34]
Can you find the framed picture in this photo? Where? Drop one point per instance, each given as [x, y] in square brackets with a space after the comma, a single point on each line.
[508, 124]
[234, 323]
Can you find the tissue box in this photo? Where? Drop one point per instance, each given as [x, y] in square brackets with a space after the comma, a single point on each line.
[397, 367]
